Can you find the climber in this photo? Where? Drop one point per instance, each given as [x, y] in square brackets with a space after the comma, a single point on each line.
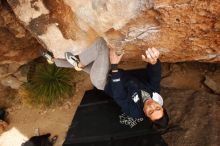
[94, 61]
[138, 94]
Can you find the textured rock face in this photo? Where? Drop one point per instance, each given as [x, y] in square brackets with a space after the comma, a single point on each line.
[194, 116]
[182, 30]
[17, 47]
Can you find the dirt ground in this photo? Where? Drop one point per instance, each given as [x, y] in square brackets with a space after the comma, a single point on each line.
[194, 110]
[25, 121]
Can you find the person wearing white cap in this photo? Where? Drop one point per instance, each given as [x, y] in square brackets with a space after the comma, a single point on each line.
[138, 94]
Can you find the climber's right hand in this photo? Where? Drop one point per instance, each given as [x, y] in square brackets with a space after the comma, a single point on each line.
[114, 58]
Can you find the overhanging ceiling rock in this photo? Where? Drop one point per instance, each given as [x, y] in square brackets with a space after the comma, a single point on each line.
[183, 30]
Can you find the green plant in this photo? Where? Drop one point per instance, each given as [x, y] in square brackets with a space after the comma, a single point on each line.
[49, 84]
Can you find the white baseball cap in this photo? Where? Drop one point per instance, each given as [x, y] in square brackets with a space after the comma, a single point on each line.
[156, 97]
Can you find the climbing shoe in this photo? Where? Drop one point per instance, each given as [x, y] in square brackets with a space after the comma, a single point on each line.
[47, 56]
[73, 60]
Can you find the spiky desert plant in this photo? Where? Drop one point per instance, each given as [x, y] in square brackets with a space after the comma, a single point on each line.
[49, 84]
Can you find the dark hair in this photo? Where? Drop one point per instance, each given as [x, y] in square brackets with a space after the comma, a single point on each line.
[162, 123]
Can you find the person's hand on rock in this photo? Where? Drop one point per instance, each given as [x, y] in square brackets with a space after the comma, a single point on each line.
[151, 55]
[114, 58]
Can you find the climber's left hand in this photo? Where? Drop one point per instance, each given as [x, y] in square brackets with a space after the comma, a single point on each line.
[151, 55]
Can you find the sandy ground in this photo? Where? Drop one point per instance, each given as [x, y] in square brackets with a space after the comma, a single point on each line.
[25, 120]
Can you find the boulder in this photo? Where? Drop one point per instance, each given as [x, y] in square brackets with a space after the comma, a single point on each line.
[212, 84]
[17, 46]
[182, 30]
[11, 81]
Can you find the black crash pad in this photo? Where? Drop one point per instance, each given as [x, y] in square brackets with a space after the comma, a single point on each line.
[96, 123]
